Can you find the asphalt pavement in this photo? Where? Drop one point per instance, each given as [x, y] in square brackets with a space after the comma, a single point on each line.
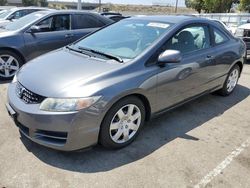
[205, 143]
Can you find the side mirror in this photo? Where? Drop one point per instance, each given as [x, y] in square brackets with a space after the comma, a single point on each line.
[169, 56]
[34, 29]
[11, 17]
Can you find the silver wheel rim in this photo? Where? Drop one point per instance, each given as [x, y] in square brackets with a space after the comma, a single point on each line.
[125, 123]
[232, 80]
[8, 66]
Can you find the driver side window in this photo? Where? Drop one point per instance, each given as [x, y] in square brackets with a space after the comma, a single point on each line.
[190, 39]
[54, 23]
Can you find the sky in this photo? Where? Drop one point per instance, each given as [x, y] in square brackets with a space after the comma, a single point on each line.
[141, 2]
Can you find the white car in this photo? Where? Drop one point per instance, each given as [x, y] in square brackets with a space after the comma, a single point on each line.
[243, 32]
[224, 25]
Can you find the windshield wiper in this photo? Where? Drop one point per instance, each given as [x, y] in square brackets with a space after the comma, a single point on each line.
[76, 50]
[102, 54]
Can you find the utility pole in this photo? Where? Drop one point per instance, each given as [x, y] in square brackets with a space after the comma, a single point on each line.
[79, 5]
[100, 5]
[176, 6]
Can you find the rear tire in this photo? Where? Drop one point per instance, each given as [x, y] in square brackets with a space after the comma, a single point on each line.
[122, 123]
[230, 82]
[10, 63]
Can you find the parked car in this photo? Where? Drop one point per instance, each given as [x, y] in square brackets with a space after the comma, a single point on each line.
[41, 32]
[223, 24]
[115, 16]
[110, 13]
[13, 14]
[5, 8]
[243, 32]
[103, 87]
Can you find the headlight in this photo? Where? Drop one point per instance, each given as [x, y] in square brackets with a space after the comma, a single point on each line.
[67, 104]
[14, 79]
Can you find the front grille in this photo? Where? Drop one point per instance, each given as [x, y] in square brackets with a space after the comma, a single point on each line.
[28, 96]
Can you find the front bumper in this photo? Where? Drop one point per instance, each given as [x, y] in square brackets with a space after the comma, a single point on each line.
[58, 130]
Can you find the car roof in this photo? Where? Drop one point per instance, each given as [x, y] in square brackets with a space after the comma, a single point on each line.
[52, 11]
[245, 26]
[169, 18]
[24, 8]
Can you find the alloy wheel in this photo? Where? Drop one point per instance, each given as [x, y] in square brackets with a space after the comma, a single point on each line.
[8, 66]
[232, 80]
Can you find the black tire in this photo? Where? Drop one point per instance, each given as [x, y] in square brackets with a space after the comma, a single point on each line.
[105, 137]
[224, 91]
[18, 59]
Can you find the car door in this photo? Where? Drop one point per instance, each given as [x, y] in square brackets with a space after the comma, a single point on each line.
[52, 33]
[84, 24]
[180, 81]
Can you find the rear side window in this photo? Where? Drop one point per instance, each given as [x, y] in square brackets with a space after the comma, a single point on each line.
[83, 21]
[219, 37]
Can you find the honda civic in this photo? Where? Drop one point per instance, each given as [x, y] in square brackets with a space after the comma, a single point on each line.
[102, 88]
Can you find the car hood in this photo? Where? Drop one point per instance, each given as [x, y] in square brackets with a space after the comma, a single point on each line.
[4, 32]
[4, 23]
[51, 74]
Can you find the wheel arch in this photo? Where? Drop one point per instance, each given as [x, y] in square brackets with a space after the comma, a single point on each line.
[14, 51]
[240, 64]
[138, 95]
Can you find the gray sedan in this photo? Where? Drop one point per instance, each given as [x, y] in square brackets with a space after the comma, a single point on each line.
[41, 32]
[104, 87]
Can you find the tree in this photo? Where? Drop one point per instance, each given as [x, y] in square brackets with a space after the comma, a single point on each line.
[198, 5]
[43, 3]
[245, 5]
[29, 2]
[214, 6]
[3, 2]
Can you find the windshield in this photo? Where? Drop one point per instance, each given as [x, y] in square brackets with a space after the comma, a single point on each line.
[22, 22]
[125, 39]
[5, 14]
[239, 32]
[242, 33]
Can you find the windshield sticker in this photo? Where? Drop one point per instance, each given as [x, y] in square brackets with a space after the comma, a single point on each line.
[157, 24]
[38, 15]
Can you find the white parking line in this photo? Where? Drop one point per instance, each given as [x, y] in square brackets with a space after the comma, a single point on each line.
[209, 177]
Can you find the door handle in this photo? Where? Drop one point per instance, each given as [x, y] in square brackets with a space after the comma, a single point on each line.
[68, 35]
[209, 57]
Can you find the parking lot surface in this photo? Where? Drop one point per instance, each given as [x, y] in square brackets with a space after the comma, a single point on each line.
[205, 143]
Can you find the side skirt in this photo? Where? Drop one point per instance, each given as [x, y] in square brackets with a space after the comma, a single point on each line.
[185, 101]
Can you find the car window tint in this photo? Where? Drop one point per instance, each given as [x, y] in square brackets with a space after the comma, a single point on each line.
[83, 21]
[19, 14]
[219, 37]
[31, 10]
[190, 39]
[137, 35]
[55, 23]
[246, 33]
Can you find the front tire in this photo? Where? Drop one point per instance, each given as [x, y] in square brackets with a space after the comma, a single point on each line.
[122, 123]
[231, 81]
[10, 63]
